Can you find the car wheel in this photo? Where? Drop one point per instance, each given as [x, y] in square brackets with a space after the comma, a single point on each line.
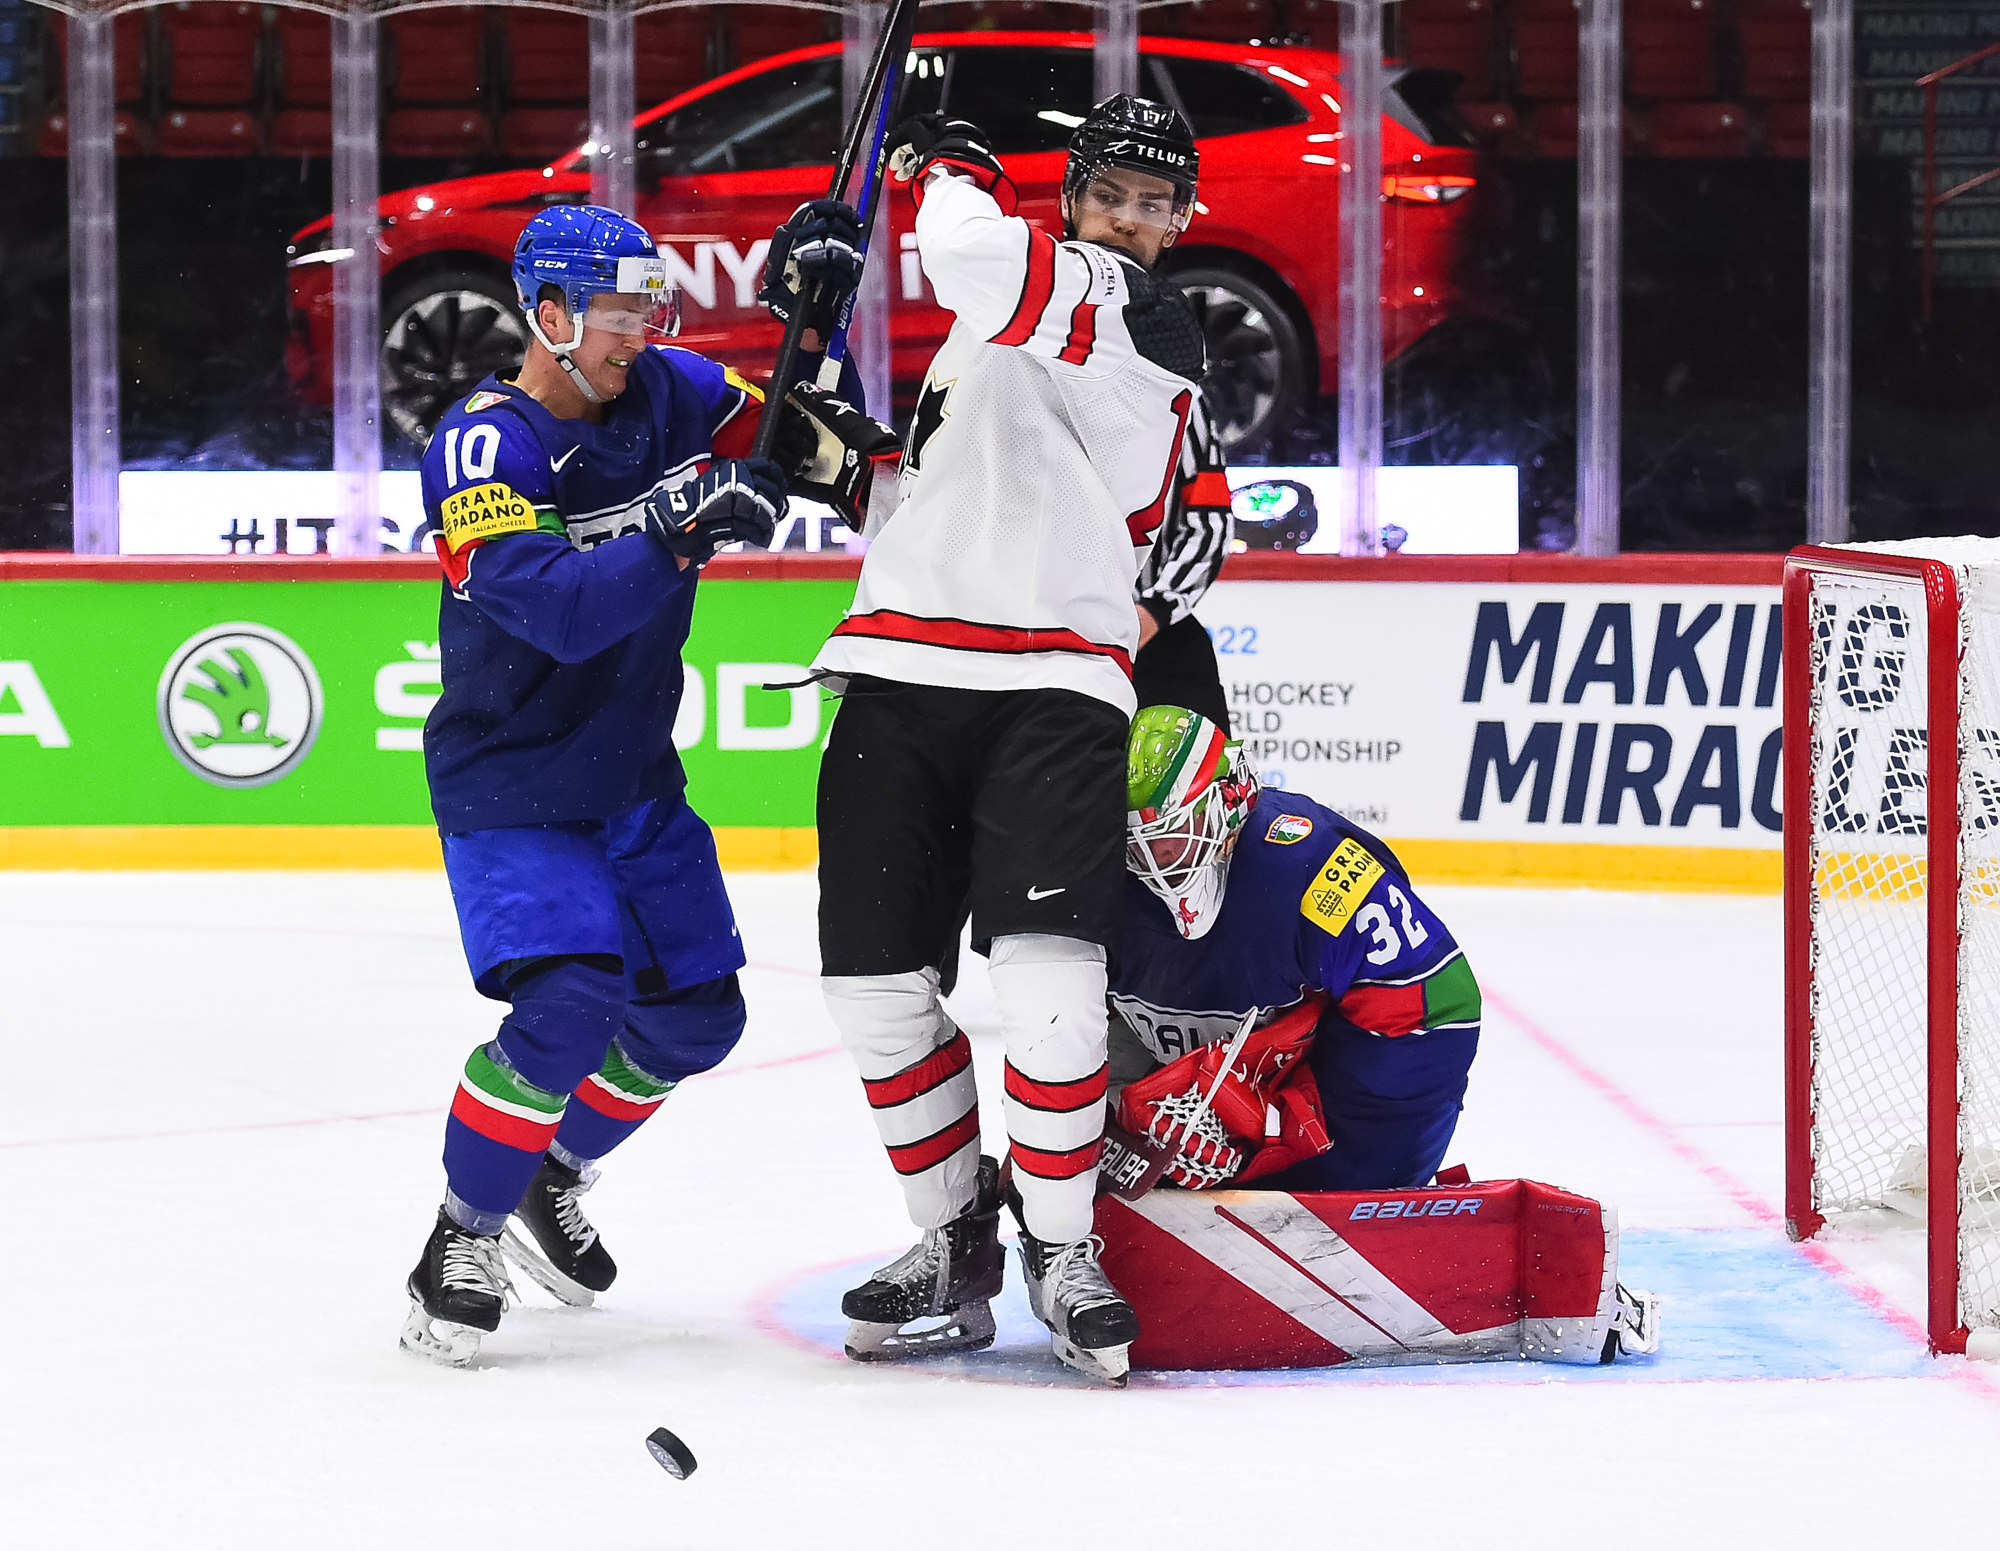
[1256, 359]
[444, 334]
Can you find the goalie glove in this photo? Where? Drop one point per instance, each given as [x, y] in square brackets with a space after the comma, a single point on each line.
[931, 140]
[818, 254]
[1234, 1140]
[736, 499]
[829, 448]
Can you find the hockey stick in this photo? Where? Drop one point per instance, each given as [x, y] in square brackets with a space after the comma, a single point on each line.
[872, 117]
[1133, 1164]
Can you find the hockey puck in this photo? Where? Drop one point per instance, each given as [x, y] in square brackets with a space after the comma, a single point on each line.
[670, 1454]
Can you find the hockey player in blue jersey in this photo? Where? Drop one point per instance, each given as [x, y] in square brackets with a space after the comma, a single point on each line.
[1244, 900]
[575, 506]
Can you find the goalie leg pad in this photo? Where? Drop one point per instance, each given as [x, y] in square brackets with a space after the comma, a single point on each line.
[916, 1069]
[1052, 1014]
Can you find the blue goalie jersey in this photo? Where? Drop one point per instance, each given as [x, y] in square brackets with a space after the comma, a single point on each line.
[562, 622]
[1313, 903]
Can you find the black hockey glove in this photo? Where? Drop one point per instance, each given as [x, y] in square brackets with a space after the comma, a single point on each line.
[932, 140]
[829, 449]
[736, 499]
[817, 253]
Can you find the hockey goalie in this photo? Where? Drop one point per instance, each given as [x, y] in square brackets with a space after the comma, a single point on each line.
[1293, 1027]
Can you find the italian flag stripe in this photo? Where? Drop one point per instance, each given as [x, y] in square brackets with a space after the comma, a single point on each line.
[1451, 995]
[622, 1076]
[595, 1093]
[505, 1124]
[509, 1090]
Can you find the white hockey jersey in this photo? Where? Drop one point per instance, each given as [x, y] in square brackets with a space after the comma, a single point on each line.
[1046, 444]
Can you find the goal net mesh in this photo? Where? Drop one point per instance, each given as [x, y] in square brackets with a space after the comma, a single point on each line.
[1871, 643]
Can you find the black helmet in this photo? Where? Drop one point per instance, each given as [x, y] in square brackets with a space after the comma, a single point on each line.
[1141, 136]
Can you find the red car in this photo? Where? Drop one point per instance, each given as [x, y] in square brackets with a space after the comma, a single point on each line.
[721, 165]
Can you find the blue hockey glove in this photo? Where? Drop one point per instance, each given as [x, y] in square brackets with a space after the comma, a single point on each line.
[817, 253]
[735, 499]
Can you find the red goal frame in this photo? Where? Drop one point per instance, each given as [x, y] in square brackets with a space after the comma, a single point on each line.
[1941, 849]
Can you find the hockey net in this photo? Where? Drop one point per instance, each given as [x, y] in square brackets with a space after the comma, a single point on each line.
[1892, 863]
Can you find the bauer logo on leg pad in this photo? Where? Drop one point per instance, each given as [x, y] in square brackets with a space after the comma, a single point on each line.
[1342, 884]
[1433, 1207]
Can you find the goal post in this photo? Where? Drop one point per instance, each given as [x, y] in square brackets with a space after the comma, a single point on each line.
[1892, 908]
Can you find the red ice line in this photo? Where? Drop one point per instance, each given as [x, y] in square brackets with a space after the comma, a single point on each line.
[1759, 1209]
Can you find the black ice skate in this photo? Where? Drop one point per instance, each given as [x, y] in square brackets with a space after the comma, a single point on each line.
[947, 1279]
[1635, 1326]
[1092, 1325]
[562, 1252]
[457, 1294]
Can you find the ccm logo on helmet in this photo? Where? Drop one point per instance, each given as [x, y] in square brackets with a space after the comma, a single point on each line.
[1446, 1207]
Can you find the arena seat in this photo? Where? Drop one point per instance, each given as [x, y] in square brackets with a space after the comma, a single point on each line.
[305, 61]
[670, 55]
[1008, 16]
[128, 49]
[1317, 21]
[1788, 129]
[300, 132]
[542, 134]
[1452, 35]
[1776, 38]
[1545, 50]
[436, 132]
[1222, 21]
[210, 59]
[206, 132]
[1553, 126]
[1697, 129]
[1670, 48]
[436, 56]
[548, 57]
[756, 32]
[127, 131]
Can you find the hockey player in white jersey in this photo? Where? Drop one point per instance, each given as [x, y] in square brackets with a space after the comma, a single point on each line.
[986, 673]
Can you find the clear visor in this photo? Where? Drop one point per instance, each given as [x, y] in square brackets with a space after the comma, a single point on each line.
[1117, 199]
[655, 314]
[1167, 853]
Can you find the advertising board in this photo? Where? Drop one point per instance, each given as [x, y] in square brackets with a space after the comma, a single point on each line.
[1493, 725]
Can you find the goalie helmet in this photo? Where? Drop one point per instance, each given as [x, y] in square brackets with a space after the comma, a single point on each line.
[584, 250]
[1139, 136]
[1188, 790]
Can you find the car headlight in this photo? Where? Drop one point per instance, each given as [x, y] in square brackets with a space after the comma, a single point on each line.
[1427, 188]
[316, 249]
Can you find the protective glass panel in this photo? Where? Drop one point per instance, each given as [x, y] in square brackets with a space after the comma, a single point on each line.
[1026, 99]
[786, 117]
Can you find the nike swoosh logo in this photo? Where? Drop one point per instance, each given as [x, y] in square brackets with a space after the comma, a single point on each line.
[555, 464]
[1046, 893]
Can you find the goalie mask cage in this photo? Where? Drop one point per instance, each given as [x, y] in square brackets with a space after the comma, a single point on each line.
[1892, 906]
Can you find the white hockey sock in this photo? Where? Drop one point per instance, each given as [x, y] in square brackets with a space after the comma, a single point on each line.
[1051, 996]
[916, 1068]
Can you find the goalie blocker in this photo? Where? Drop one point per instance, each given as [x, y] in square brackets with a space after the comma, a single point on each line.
[1263, 1279]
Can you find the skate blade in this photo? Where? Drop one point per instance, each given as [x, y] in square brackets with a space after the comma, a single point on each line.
[969, 1328]
[1108, 1364]
[544, 1275]
[439, 1339]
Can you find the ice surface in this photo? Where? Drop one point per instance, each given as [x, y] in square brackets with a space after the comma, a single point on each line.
[221, 1121]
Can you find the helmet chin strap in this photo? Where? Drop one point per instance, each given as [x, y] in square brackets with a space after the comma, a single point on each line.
[562, 353]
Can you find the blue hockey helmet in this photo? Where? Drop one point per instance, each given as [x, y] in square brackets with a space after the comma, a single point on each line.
[587, 250]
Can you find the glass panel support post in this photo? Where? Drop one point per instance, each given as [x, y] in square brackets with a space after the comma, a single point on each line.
[93, 287]
[1360, 274]
[611, 107]
[1829, 385]
[1600, 170]
[357, 289]
[1114, 49]
[861, 25]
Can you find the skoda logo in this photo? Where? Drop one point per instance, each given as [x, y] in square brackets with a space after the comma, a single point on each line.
[240, 705]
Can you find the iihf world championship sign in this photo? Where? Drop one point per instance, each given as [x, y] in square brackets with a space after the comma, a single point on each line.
[1465, 715]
